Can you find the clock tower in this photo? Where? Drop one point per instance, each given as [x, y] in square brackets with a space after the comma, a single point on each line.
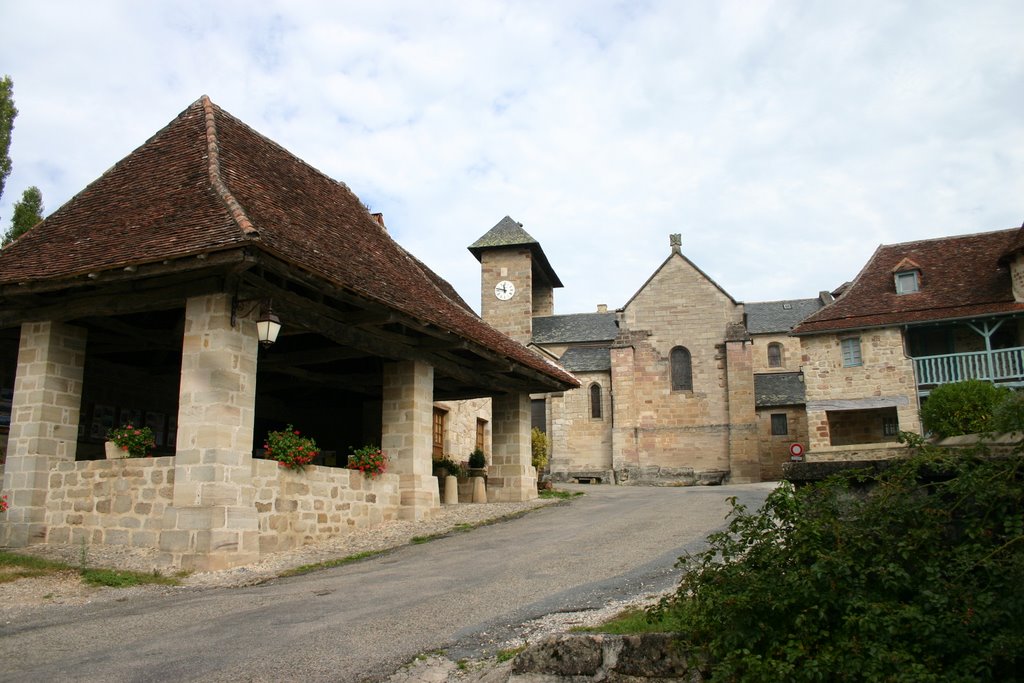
[516, 280]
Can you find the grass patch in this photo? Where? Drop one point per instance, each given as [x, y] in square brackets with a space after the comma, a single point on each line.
[328, 564]
[13, 566]
[633, 620]
[560, 495]
[505, 655]
[114, 578]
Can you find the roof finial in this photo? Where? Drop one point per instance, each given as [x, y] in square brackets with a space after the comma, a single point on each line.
[676, 242]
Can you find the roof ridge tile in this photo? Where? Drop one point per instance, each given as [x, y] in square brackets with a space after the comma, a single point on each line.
[234, 208]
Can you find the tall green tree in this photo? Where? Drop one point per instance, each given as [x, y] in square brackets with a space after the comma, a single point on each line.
[27, 213]
[7, 114]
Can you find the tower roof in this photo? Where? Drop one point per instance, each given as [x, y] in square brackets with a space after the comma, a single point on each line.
[509, 233]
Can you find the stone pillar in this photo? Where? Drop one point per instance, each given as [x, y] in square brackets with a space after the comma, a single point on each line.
[212, 523]
[44, 424]
[407, 420]
[511, 476]
[744, 459]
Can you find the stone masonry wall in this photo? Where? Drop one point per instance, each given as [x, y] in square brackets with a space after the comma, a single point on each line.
[885, 375]
[297, 508]
[790, 352]
[114, 502]
[515, 316]
[667, 432]
[460, 426]
[774, 450]
[581, 443]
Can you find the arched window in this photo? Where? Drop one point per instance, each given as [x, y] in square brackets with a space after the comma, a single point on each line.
[775, 355]
[595, 400]
[682, 370]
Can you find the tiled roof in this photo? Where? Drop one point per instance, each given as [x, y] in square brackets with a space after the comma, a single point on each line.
[207, 182]
[961, 277]
[778, 389]
[575, 328]
[586, 359]
[510, 233]
[767, 317]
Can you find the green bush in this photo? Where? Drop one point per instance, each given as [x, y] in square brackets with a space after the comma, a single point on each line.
[962, 408]
[922, 579]
[477, 459]
[446, 463]
[540, 445]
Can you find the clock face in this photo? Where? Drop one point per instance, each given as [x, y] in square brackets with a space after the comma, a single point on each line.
[504, 290]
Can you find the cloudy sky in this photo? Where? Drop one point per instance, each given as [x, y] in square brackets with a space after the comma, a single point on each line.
[783, 140]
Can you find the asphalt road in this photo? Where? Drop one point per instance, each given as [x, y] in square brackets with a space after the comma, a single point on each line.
[361, 622]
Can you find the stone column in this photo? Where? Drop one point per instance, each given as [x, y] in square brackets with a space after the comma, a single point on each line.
[744, 459]
[511, 476]
[44, 424]
[407, 420]
[212, 523]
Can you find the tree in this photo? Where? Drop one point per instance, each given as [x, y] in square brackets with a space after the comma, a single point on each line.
[7, 114]
[962, 408]
[27, 213]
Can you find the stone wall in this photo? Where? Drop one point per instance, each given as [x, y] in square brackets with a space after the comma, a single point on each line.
[115, 502]
[885, 379]
[297, 508]
[460, 427]
[774, 450]
[514, 317]
[659, 430]
[790, 352]
[581, 443]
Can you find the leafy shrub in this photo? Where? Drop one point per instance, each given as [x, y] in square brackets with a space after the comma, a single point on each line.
[370, 460]
[290, 449]
[136, 442]
[3, 503]
[477, 459]
[962, 408]
[540, 446]
[446, 463]
[921, 579]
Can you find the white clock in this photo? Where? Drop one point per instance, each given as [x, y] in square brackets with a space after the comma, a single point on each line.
[504, 290]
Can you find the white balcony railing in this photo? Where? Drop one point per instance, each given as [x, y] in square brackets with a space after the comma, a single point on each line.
[1002, 365]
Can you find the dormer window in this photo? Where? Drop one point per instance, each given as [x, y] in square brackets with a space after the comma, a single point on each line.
[908, 277]
[908, 281]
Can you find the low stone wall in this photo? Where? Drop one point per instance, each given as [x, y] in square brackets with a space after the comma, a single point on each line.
[296, 508]
[859, 452]
[604, 657]
[116, 502]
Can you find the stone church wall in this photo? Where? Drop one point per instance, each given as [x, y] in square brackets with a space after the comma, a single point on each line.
[664, 435]
[774, 449]
[582, 444]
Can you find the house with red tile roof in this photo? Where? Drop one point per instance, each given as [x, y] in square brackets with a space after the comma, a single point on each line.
[919, 314]
[139, 302]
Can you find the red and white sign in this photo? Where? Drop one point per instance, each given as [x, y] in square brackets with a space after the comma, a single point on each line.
[796, 452]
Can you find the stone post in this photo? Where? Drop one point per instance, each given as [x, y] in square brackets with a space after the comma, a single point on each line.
[511, 476]
[407, 421]
[212, 523]
[44, 424]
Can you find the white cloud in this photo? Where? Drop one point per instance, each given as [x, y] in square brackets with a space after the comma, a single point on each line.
[784, 140]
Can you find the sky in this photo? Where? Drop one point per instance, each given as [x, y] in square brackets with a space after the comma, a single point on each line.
[783, 140]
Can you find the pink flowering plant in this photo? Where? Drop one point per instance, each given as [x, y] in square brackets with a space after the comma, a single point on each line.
[370, 460]
[3, 503]
[136, 442]
[290, 449]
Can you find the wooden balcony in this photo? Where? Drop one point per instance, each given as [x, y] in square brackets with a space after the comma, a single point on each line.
[1000, 366]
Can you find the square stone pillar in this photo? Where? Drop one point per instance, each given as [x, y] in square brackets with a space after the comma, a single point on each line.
[44, 424]
[511, 476]
[212, 523]
[744, 458]
[407, 421]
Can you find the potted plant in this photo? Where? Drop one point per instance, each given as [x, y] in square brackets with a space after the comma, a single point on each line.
[370, 460]
[290, 449]
[128, 441]
[445, 466]
[477, 464]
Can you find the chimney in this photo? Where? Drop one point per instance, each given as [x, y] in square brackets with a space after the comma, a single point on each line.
[602, 308]
[379, 217]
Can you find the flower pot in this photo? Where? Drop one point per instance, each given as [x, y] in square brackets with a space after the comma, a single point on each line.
[113, 452]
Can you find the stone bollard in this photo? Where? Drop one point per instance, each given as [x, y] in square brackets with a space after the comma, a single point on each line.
[451, 490]
[479, 490]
